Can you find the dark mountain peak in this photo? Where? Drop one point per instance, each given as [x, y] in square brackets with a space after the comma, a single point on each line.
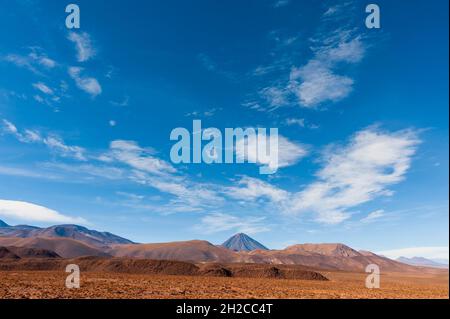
[243, 242]
[3, 224]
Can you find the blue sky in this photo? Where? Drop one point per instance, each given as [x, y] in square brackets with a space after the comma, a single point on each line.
[86, 115]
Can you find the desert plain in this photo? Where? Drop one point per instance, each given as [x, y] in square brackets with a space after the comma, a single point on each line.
[340, 285]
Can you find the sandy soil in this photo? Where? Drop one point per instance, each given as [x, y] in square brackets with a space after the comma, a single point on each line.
[51, 284]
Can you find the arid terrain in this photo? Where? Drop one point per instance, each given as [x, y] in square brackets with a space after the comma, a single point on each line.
[33, 262]
[51, 284]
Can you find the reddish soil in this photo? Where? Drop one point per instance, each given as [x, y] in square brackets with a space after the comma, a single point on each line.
[51, 284]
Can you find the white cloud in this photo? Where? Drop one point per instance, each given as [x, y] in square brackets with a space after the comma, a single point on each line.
[38, 98]
[43, 88]
[346, 49]
[189, 195]
[295, 121]
[43, 60]
[426, 252]
[276, 97]
[32, 61]
[53, 142]
[339, 11]
[123, 102]
[321, 79]
[218, 222]
[130, 153]
[83, 45]
[9, 127]
[32, 136]
[88, 84]
[29, 212]
[373, 216]
[315, 83]
[288, 153]
[91, 170]
[207, 113]
[281, 3]
[357, 173]
[251, 189]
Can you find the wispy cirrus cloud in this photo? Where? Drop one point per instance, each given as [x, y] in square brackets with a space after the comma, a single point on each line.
[149, 170]
[130, 153]
[126, 161]
[43, 88]
[83, 45]
[287, 152]
[34, 61]
[373, 216]
[219, 222]
[357, 173]
[281, 3]
[317, 82]
[300, 122]
[88, 84]
[352, 174]
[335, 47]
[252, 189]
[52, 141]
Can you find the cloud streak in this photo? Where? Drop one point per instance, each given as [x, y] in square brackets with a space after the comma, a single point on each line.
[89, 85]
[357, 173]
[55, 143]
[219, 222]
[29, 212]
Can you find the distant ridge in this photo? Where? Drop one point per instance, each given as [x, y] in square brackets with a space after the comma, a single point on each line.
[421, 261]
[72, 241]
[243, 242]
[3, 224]
[91, 237]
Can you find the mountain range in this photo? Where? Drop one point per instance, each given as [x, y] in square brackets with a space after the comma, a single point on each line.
[421, 261]
[91, 237]
[72, 241]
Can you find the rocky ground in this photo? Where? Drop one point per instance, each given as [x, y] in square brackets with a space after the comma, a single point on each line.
[51, 284]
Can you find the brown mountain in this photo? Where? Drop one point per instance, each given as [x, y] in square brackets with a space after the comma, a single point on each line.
[64, 247]
[72, 241]
[327, 256]
[194, 250]
[316, 256]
